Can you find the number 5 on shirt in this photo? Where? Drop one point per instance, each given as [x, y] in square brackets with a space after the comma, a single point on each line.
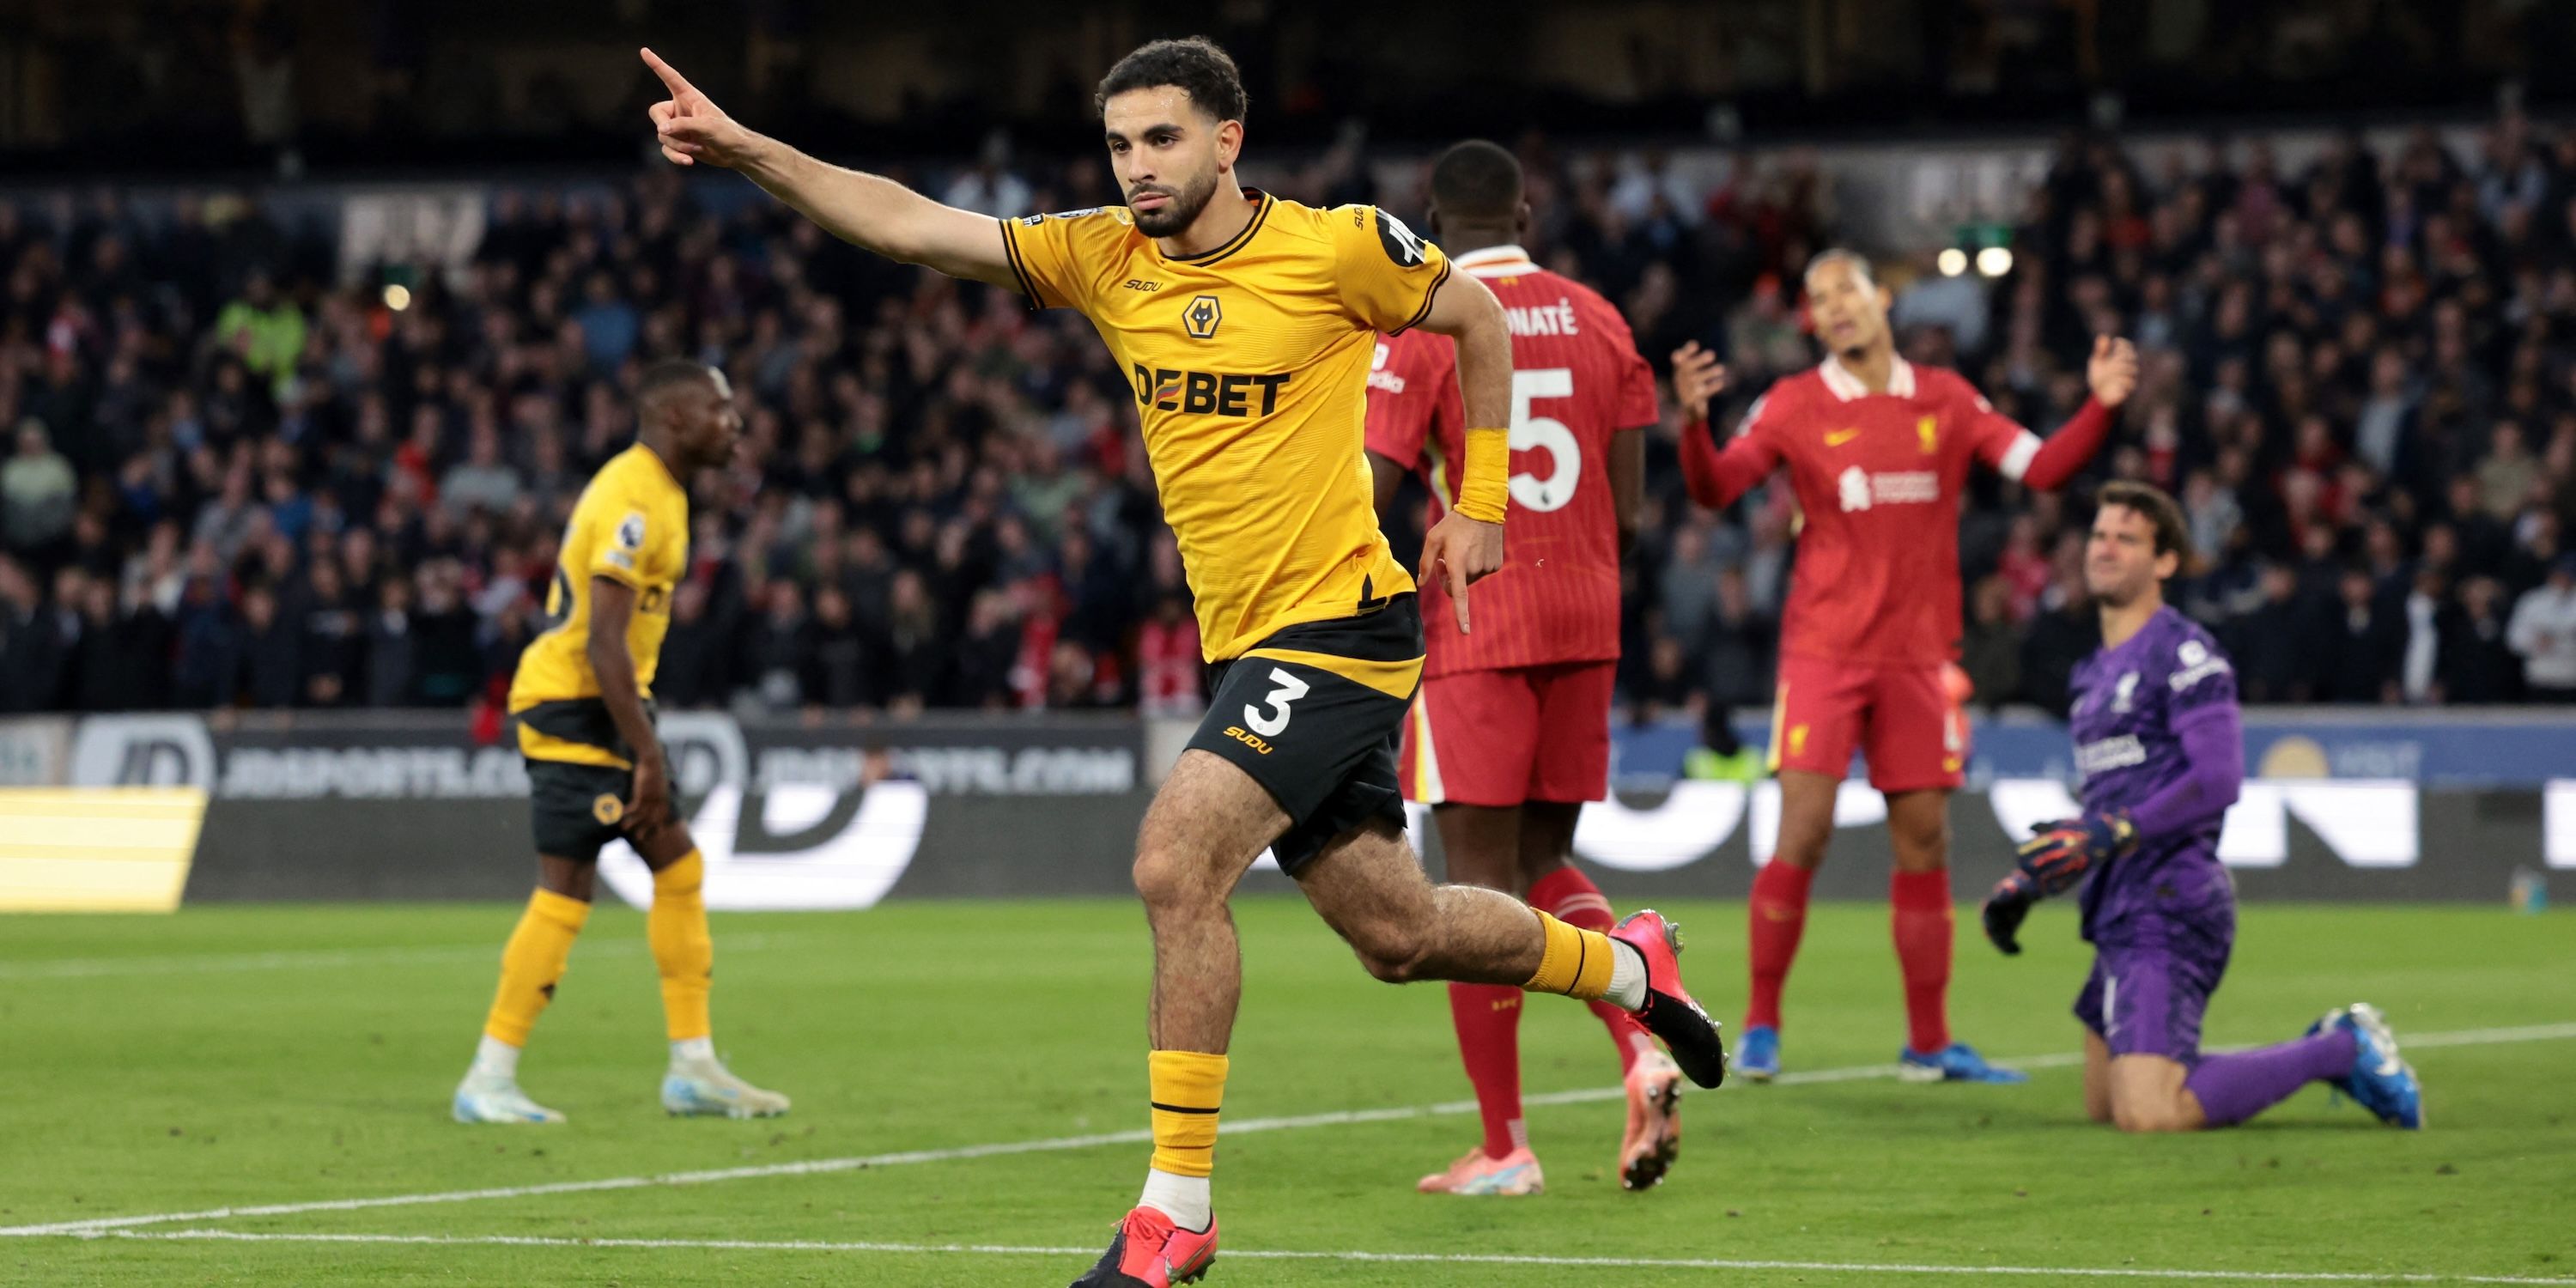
[1534, 433]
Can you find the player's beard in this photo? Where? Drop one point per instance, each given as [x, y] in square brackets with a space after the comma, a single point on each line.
[1178, 213]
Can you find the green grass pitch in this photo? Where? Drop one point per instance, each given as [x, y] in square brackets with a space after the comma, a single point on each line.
[249, 1056]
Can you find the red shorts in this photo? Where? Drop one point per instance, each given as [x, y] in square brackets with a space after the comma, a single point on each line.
[1500, 738]
[1901, 718]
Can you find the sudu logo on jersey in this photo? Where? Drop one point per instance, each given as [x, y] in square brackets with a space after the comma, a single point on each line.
[1861, 489]
[1207, 393]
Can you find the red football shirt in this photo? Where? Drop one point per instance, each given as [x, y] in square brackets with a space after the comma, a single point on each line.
[1878, 478]
[1576, 381]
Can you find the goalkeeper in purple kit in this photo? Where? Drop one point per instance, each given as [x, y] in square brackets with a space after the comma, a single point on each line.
[2161, 750]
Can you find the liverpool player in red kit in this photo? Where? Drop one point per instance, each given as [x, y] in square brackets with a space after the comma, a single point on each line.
[1878, 450]
[1511, 732]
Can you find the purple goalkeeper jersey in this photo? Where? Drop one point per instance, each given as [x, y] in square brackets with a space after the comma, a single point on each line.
[2157, 734]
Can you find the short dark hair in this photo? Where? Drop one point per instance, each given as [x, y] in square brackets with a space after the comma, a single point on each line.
[1477, 181]
[670, 373]
[2172, 533]
[1194, 65]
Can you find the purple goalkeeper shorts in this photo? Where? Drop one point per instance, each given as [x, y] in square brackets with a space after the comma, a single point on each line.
[2149, 1000]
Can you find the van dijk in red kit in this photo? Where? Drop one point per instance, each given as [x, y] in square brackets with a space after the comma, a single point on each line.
[1511, 731]
[1878, 450]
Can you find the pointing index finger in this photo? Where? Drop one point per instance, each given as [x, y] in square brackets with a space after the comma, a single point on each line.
[672, 80]
[1455, 573]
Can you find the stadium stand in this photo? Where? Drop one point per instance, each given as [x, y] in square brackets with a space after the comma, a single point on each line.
[231, 481]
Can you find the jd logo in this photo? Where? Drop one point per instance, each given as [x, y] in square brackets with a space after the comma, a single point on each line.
[788, 847]
[1202, 315]
[143, 751]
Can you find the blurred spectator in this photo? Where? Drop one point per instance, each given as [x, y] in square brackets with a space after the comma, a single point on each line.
[837, 667]
[1990, 651]
[446, 664]
[2354, 643]
[262, 667]
[2543, 631]
[483, 481]
[264, 328]
[2478, 664]
[389, 646]
[331, 651]
[1167, 659]
[37, 493]
[1738, 652]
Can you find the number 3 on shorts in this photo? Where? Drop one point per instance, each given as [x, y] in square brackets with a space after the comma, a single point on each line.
[1290, 689]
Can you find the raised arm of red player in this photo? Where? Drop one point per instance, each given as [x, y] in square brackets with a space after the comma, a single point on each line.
[2022, 456]
[1715, 477]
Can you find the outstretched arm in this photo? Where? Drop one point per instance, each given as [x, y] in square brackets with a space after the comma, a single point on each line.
[1715, 478]
[2022, 456]
[875, 214]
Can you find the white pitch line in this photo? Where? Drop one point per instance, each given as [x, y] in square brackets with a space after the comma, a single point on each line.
[316, 959]
[1401, 1258]
[826, 1166]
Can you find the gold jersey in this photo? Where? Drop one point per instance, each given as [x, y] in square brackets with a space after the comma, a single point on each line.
[1249, 365]
[631, 525]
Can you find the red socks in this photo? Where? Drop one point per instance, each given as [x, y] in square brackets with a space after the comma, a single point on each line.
[1569, 896]
[1920, 919]
[1488, 1017]
[1778, 913]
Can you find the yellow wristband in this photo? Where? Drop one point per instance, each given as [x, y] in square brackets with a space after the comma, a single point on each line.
[1483, 484]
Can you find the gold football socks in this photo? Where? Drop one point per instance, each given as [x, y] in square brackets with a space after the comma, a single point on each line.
[682, 950]
[532, 963]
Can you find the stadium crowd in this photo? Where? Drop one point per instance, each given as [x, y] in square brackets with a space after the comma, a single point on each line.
[231, 480]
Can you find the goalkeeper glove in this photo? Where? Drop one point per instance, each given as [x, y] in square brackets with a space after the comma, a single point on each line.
[2005, 909]
[2058, 854]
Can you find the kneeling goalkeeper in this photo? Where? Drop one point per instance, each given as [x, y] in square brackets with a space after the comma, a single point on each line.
[2160, 747]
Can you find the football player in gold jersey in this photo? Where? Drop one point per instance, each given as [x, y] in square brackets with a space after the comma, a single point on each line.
[1247, 323]
[582, 698]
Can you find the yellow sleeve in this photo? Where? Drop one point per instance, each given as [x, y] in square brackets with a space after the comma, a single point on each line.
[669, 537]
[1058, 258]
[1386, 273]
[622, 533]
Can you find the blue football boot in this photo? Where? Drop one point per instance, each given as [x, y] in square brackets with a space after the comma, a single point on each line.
[1957, 1062]
[2380, 1082]
[1757, 1054]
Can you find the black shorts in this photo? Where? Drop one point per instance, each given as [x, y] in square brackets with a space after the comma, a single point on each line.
[1314, 713]
[576, 807]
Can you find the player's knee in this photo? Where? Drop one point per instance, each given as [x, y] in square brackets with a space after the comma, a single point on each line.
[1168, 880]
[2146, 1118]
[1803, 847]
[1919, 844]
